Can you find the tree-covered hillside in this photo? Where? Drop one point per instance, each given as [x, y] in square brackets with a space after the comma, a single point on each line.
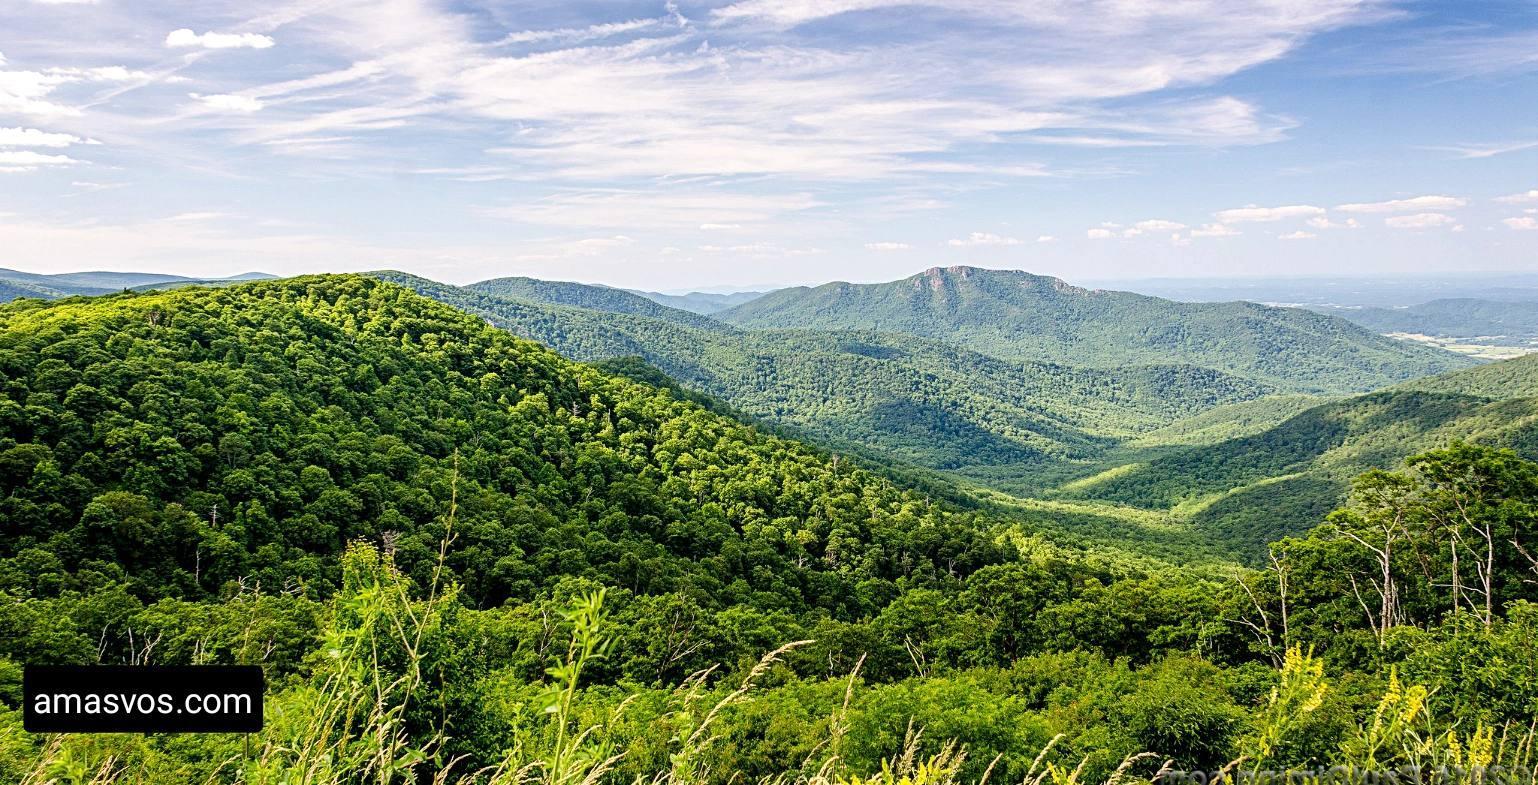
[1015, 315]
[184, 442]
[1514, 378]
[596, 298]
[1256, 487]
[920, 401]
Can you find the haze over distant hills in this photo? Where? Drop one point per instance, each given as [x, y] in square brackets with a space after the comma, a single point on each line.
[597, 298]
[15, 283]
[1386, 290]
[701, 302]
[1464, 323]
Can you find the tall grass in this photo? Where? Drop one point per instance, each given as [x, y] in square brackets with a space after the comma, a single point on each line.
[349, 724]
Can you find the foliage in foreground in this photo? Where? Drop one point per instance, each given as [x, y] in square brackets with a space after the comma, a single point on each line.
[372, 710]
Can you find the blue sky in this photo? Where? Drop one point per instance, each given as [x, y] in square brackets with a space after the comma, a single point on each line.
[748, 142]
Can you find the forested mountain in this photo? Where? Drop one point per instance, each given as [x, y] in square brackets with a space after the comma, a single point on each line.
[701, 302]
[182, 441]
[1514, 378]
[1450, 318]
[921, 401]
[480, 557]
[597, 298]
[1015, 315]
[15, 283]
[10, 290]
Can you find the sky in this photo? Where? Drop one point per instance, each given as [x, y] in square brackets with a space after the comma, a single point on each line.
[749, 143]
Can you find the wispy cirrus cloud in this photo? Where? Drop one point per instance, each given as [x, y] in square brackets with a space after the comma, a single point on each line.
[783, 126]
[672, 208]
[31, 92]
[718, 95]
[1486, 150]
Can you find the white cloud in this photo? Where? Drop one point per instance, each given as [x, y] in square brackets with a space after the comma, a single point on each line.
[886, 246]
[228, 103]
[1526, 197]
[1046, 238]
[28, 158]
[984, 238]
[92, 187]
[1525, 223]
[707, 227]
[185, 38]
[1215, 230]
[1322, 222]
[1298, 235]
[1152, 225]
[1416, 204]
[32, 137]
[1099, 234]
[1419, 221]
[1252, 213]
[648, 99]
[28, 92]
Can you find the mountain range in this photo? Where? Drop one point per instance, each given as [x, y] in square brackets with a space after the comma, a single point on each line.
[1495, 322]
[700, 302]
[1228, 423]
[1015, 315]
[15, 283]
[1234, 455]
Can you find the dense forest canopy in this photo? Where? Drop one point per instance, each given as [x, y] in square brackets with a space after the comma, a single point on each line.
[491, 559]
[1223, 457]
[924, 402]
